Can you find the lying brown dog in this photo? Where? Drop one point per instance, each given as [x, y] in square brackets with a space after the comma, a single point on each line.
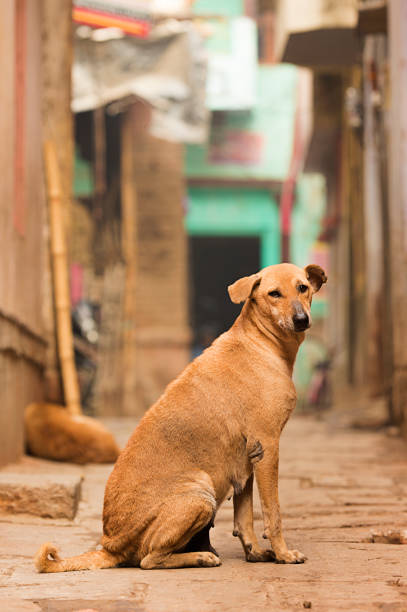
[52, 433]
[214, 427]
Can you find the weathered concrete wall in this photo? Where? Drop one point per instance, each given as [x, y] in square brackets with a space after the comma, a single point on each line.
[35, 42]
[162, 332]
[145, 334]
[22, 208]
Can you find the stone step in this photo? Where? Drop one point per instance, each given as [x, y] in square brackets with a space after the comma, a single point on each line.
[48, 496]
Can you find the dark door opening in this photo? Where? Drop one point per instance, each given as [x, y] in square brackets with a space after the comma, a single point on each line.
[215, 263]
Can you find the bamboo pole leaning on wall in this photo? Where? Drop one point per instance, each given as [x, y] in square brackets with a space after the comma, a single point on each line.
[129, 245]
[61, 280]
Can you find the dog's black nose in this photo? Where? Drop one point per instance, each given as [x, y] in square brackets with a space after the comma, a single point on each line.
[301, 321]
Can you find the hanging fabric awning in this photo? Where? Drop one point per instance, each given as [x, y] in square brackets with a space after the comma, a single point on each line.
[167, 70]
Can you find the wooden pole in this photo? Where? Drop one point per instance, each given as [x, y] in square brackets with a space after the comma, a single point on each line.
[61, 280]
[375, 287]
[129, 245]
[99, 172]
[99, 142]
[398, 204]
[57, 125]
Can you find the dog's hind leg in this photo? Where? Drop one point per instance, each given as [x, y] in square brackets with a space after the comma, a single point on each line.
[201, 541]
[181, 517]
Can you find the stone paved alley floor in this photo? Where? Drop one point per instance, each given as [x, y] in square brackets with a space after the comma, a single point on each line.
[336, 485]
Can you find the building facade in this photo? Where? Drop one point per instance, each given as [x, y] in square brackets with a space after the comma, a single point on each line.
[30, 35]
[367, 225]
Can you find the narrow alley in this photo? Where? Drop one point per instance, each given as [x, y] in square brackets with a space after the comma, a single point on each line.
[337, 486]
[211, 192]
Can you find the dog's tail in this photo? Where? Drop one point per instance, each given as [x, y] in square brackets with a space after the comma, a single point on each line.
[48, 560]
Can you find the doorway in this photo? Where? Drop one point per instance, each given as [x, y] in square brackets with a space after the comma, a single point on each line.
[215, 263]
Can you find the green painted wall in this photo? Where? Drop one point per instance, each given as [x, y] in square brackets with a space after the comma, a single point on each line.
[270, 125]
[227, 8]
[309, 210]
[83, 185]
[236, 212]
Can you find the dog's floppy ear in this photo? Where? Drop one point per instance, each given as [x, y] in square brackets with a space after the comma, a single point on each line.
[316, 276]
[242, 288]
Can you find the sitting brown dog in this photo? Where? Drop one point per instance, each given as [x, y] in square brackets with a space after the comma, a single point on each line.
[214, 427]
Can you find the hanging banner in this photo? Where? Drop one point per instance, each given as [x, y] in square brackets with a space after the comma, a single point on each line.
[129, 16]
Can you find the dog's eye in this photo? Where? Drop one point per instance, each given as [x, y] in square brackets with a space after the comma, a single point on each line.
[302, 288]
[275, 294]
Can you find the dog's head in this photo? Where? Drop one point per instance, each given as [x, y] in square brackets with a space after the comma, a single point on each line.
[281, 294]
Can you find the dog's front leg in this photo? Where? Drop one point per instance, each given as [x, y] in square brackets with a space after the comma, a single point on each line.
[266, 472]
[243, 525]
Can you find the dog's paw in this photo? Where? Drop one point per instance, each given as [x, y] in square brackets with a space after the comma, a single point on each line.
[208, 559]
[290, 556]
[259, 555]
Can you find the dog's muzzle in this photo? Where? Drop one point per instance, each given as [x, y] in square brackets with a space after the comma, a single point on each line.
[301, 321]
